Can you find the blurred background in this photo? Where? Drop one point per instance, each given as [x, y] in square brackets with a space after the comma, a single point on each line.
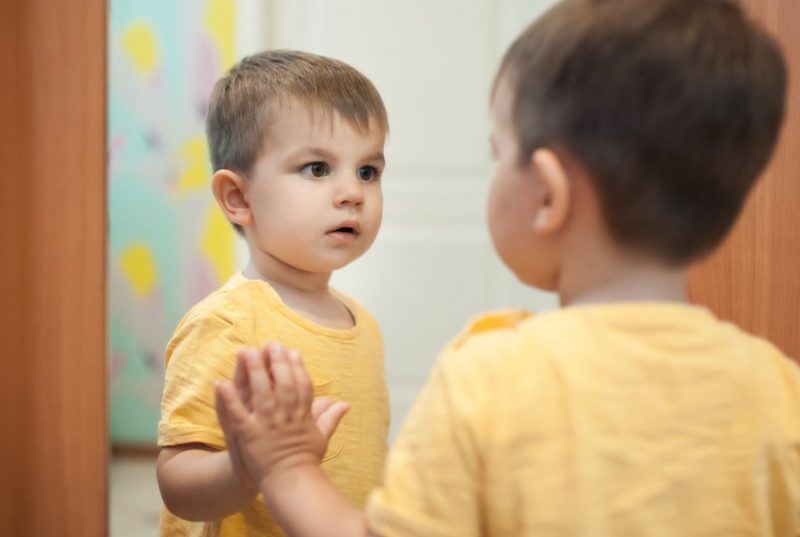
[432, 267]
[108, 233]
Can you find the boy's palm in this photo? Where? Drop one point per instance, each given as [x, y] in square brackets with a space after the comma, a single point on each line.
[267, 415]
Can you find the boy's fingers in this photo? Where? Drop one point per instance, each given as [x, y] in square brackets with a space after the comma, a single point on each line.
[240, 379]
[223, 417]
[230, 410]
[305, 389]
[261, 389]
[329, 419]
[266, 359]
[319, 406]
[285, 389]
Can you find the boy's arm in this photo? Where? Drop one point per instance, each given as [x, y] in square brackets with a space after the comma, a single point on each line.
[306, 504]
[281, 439]
[197, 481]
[200, 483]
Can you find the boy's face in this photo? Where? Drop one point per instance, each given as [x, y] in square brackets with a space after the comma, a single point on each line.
[515, 197]
[315, 191]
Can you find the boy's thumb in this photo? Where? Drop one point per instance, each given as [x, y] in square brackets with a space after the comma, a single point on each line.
[329, 419]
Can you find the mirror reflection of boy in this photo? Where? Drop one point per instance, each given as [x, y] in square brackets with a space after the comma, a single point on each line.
[296, 143]
[627, 135]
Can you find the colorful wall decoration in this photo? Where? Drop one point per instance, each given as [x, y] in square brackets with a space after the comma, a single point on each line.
[169, 244]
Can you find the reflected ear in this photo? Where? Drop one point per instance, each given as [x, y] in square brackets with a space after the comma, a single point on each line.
[230, 191]
[549, 169]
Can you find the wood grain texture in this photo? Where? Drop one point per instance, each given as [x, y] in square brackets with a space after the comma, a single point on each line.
[754, 278]
[52, 268]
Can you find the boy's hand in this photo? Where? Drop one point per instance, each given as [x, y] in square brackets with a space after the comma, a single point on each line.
[278, 428]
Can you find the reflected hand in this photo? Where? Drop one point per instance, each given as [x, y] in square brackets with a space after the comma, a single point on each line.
[240, 381]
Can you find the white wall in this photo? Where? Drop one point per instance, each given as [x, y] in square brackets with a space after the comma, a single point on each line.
[432, 267]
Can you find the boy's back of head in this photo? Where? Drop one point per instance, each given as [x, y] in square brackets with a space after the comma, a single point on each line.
[672, 107]
[244, 100]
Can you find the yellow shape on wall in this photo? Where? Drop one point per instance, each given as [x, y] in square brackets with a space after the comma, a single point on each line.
[139, 269]
[195, 176]
[139, 43]
[217, 243]
[219, 21]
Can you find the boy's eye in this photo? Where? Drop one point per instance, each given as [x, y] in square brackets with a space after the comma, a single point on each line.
[315, 169]
[368, 173]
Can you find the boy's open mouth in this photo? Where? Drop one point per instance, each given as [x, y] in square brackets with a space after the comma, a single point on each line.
[348, 227]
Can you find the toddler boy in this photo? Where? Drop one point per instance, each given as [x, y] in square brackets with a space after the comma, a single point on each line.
[296, 143]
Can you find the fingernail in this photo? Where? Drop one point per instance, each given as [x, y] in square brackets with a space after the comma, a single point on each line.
[294, 356]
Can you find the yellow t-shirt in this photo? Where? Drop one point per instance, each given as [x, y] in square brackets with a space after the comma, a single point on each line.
[615, 420]
[343, 364]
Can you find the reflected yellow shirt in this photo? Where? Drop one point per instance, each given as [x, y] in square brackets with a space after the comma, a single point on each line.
[616, 420]
[343, 364]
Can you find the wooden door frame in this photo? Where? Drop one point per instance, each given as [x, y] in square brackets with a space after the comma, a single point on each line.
[753, 279]
[52, 268]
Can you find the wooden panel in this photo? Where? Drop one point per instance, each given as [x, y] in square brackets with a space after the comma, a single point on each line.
[754, 279]
[52, 268]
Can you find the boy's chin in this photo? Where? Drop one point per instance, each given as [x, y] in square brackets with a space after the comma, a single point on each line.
[543, 282]
[331, 265]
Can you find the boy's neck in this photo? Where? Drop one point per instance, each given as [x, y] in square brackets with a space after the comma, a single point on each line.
[285, 278]
[598, 279]
[306, 293]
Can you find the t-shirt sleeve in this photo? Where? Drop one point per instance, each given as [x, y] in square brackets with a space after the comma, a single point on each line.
[432, 481]
[202, 351]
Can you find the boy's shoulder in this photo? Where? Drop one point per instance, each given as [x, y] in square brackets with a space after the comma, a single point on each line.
[223, 320]
[508, 333]
[485, 338]
[232, 304]
[782, 370]
[490, 325]
[503, 327]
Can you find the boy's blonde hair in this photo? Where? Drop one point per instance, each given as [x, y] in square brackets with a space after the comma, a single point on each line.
[241, 102]
[673, 108]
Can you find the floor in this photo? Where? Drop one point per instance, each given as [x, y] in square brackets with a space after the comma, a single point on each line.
[135, 501]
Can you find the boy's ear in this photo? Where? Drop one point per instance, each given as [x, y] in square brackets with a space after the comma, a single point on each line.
[554, 209]
[230, 191]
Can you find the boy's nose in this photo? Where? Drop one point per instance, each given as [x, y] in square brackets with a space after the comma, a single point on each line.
[349, 190]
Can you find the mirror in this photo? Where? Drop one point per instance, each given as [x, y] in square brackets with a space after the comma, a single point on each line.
[169, 245]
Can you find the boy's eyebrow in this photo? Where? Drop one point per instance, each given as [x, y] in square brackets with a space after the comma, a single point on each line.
[377, 156]
[327, 155]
